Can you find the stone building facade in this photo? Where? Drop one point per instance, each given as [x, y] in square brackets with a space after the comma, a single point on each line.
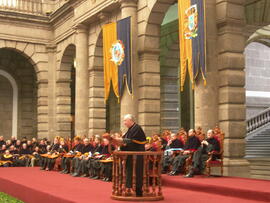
[51, 51]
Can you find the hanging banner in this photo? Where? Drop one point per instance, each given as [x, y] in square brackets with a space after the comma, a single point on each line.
[192, 39]
[117, 57]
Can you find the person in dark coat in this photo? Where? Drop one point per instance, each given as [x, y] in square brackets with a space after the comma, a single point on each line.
[13, 140]
[192, 144]
[24, 153]
[6, 160]
[88, 162]
[201, 155]
[78, 161]
[173, 143]
[133, 140]
[67, 160]
[49, 161]
[2, 141]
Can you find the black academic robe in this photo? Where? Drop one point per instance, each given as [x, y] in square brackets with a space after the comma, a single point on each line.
[14, 151]
[215, 146]
[193, 143]
[18, 147]
[87, 148]
[77, 148]
[97, 148]
[176, 144]
[25, 151]
[63, 149]
[13, 142]
[43, 148]
[136, 133]
[2, 142]
[55, 147]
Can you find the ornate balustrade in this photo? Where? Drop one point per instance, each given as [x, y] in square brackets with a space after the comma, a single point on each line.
[258, 121]
[152, 188]
[34, 7]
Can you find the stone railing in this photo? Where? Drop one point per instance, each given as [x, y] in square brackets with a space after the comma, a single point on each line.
[258, 121]
[23, 6]
[150, 164]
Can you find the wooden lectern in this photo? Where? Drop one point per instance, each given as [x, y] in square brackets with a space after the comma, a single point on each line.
[152, 189]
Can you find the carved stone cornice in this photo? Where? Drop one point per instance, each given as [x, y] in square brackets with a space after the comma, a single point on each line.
[128, 3]
[80, 28]
[103, 16]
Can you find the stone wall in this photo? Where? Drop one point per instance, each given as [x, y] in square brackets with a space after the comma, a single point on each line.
[6, 100]
[257, 57]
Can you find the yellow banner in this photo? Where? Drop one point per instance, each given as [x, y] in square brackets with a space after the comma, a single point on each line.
[110, 68]
[185, 44]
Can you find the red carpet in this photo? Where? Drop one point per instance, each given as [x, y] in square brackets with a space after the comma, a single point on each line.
[34, 186]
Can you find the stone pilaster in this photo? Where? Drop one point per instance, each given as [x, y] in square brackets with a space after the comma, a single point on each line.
[149, 91]
[232, 112]
[51, 50]
[129, 104]
[82, 81]
[42, 109]
[97, 107]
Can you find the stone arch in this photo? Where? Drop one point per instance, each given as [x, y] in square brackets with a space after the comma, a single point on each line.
[257, 65]
[261, 35]
[36, 54]
[64, 93]
[256, 51]
[28, 97]
[150, 17]
[15, 101]
[173, 103]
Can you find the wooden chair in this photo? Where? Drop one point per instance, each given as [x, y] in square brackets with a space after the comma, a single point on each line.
[210, 163]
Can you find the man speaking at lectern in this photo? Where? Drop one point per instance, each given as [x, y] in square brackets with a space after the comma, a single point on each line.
[133, 140]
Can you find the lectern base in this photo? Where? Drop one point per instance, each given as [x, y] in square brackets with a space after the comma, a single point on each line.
[133, 198]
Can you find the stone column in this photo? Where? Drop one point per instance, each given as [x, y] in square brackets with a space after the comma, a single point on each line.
[206, 97]
[129, 104]
[232, 111]
[82, 81]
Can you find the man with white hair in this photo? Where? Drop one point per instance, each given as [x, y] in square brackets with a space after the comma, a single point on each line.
[133, 140]
[201, 155]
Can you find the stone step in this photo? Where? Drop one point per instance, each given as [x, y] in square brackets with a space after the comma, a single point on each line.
[258, 149]
[258, 143]
[265, 137]
[260, 172]
[260, 136]
[260, 168]
[261, 146]
[255, 156]
[264, 177]
[264, 133]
